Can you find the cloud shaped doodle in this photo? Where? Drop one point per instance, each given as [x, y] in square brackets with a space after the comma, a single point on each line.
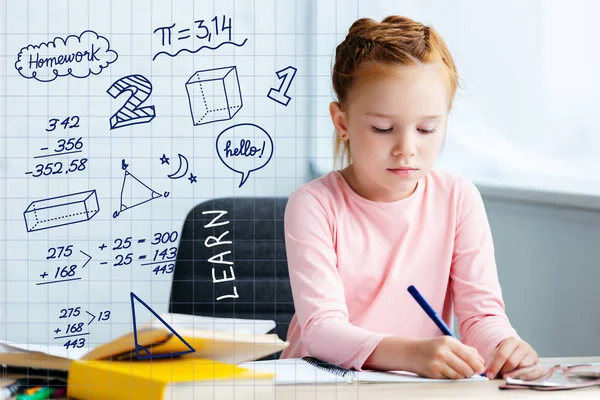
[78, 56]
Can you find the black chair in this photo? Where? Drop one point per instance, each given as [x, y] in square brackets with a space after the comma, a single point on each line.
[257, 251]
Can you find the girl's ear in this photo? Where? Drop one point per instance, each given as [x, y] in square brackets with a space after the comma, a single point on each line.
[338, 117]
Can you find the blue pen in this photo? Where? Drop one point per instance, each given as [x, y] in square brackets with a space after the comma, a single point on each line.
[431, 312]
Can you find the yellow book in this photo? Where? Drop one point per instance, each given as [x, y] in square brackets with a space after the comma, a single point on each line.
[166, 379]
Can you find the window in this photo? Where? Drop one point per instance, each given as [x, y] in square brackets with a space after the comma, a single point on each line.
[527, 115]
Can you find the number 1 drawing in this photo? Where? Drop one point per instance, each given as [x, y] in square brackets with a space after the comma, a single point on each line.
[280, 94]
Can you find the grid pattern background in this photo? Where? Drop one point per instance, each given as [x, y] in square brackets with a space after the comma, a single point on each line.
[275, 37]
[299, 33]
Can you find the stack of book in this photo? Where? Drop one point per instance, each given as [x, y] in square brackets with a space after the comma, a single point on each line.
[172, 357]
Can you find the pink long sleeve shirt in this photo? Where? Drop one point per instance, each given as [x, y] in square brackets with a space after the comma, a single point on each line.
[351, 260]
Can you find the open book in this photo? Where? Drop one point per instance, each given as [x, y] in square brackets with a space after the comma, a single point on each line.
[173, 356]
[310, 370]
[226, 340]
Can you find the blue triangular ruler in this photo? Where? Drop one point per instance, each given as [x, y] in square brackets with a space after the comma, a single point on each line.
[139, 347]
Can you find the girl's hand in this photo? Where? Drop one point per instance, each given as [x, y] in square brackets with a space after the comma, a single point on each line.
[445, 357]
[511, 354]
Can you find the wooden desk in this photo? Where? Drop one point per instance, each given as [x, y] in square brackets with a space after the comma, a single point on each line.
[422, 391]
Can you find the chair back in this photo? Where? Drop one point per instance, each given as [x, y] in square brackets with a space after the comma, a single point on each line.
[239, 234]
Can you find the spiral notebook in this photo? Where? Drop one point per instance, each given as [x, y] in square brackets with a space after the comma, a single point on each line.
[311, 370]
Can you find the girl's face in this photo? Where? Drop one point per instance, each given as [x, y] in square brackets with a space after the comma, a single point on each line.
[395, 118]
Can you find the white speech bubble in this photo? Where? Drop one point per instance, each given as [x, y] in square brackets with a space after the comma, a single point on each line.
[244, 148]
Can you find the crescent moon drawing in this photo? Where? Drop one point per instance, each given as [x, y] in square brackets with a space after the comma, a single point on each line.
[183, 168]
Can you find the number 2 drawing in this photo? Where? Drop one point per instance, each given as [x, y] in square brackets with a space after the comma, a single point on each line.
[131, 113]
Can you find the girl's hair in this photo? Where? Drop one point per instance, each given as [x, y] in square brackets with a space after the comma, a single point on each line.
[396, 40]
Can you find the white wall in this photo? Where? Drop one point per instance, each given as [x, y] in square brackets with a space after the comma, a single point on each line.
[527, 113]
[276, 38]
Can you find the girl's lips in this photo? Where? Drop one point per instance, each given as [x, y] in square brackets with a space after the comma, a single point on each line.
[402, 171]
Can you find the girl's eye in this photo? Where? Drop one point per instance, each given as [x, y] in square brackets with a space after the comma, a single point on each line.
[427, 131]
[378, 130]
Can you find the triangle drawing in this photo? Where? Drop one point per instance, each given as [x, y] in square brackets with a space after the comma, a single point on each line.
[139, 192]
[139, 348]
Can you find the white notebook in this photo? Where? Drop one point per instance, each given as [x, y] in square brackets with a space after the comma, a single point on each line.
[309, 370]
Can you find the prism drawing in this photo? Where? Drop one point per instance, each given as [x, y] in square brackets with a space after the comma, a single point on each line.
[61, 210]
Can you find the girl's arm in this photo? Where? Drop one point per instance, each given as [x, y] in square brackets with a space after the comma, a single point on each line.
[476, 291]
[317, 289]
[322, 313]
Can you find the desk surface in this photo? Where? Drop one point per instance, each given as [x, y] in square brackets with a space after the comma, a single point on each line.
[420, 391]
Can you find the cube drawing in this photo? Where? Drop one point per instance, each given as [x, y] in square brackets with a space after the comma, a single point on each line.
[214, 95]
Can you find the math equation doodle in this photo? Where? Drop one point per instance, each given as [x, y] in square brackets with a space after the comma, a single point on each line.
[280, 94]
[135, 192]
[78, 56]
[161, 257]
[164, 327]
[61, 210]
[202, 31]
[63, 273]
[67, 123]
[214, 95]
[62, 147]
[75, 328]
[253, 153]
[131, 113]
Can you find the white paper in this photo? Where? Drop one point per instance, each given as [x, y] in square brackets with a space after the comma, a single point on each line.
[229, 325]
[513, 381]
[51, 349]
[291, 371]
[403, 376]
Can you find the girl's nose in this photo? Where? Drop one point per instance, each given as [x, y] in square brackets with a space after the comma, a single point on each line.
[404, 146]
